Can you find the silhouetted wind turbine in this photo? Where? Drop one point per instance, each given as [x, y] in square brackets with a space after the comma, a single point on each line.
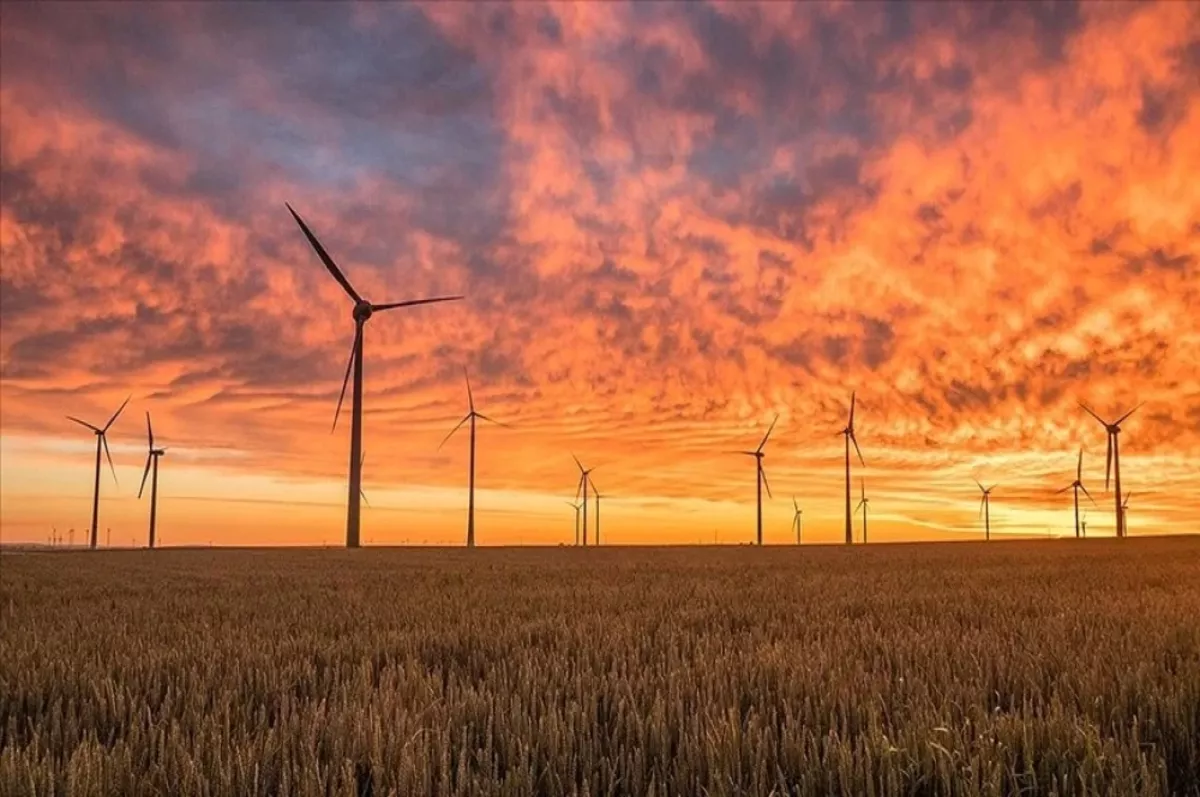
[101, 442]
[760, 475]
[471, 416]
[576, 508]
[798, 521]
[584, 473]
[1113, 464]
[985, 508]
[596, 493]
[363, 310]
[848, 432]
[863, 504]
[1125, 514]
[1085, 523]
[1077, 485]
[152, 456]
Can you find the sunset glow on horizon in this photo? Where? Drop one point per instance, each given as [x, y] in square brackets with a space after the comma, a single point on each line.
[671, 223]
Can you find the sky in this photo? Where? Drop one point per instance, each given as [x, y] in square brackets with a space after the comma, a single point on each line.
[671, 223]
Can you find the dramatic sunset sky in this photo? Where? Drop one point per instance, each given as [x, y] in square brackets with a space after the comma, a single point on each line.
[671, 223]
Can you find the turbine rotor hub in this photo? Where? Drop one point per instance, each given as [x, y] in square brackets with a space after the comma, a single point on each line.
[362, 311]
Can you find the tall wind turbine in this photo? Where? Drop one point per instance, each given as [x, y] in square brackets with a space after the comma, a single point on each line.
[848, 432]
[152, 456]
[760, 476]
[584, 474]
[101, 442]
[863, 504]
[798, 521]
[985, 508]
[470, 417]
[363, 310]
[576, 507]
[1113, 465]
[1077, 485]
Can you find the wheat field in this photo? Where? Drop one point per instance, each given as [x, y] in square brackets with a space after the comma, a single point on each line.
[959, 669]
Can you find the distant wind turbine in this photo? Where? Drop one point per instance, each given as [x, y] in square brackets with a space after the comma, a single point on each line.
[470, 417]
[363, 310]
[985, 508]
[1077, 485]
[152, 456]
[1125, 514]
[1113, 463]
[101, 442]
[848, 432]
[798, 521]
[596, 493]
[584, 474]
[760, 476]
[1085, 523]
[863, 504]
[576, 507]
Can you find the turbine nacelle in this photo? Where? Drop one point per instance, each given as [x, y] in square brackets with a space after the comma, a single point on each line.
[362, 311]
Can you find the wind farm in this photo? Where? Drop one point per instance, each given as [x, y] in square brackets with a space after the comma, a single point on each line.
[653, 245]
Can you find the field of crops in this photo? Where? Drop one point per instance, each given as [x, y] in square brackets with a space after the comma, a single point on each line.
[963, 669]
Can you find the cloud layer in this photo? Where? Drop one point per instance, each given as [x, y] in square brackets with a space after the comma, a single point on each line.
[672, 222]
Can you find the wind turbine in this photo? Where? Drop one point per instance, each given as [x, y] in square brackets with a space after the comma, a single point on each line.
[576, 507]
[152, 456]
[848, 432]
[363, 310]
[1077, 485]
[863, 504]
[985, 508]
[596, 493]
[101, 442]
[584, 474]
[1085, 523]
[798, 521]
[362, 493]
[1125, 514]
[471, 417]
[760, 475]
[1113, 465]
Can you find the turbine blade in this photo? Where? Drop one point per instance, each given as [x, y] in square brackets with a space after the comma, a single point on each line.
[363, 496]
[982, 501]
[470, 395]
[577, 463]
[1125, 503]
[346, 379]
[851, 424]
[770, 429]
[104, 440]
[325, 258]
[145, 473]
[764, 478]
[82, 423]
[860, 506]
[979, 485]
[115, 414]
[1089, 495]
[1108, 465]
[795, 504]
[1088, 410]
[149, 430]
[1063, 490]
[465, 418]
[481, 416]
[854, 440]
[1120, 420]
[414, 302]
[862, 484]
[1079, 467]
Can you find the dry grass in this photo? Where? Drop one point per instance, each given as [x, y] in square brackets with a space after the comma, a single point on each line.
[1034, 668]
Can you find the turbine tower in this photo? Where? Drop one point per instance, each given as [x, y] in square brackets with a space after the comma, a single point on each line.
[363, 310]
[848, 432]
[470, 417]
[863, 504]
[584, 474]
[760, 476]
[985, 508]
[1077, 485]
[101, 442]
[152, 456]
[798, 521]
[576, 508]
[1113, 464]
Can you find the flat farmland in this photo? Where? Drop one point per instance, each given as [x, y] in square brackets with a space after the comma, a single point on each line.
[1059, 667]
